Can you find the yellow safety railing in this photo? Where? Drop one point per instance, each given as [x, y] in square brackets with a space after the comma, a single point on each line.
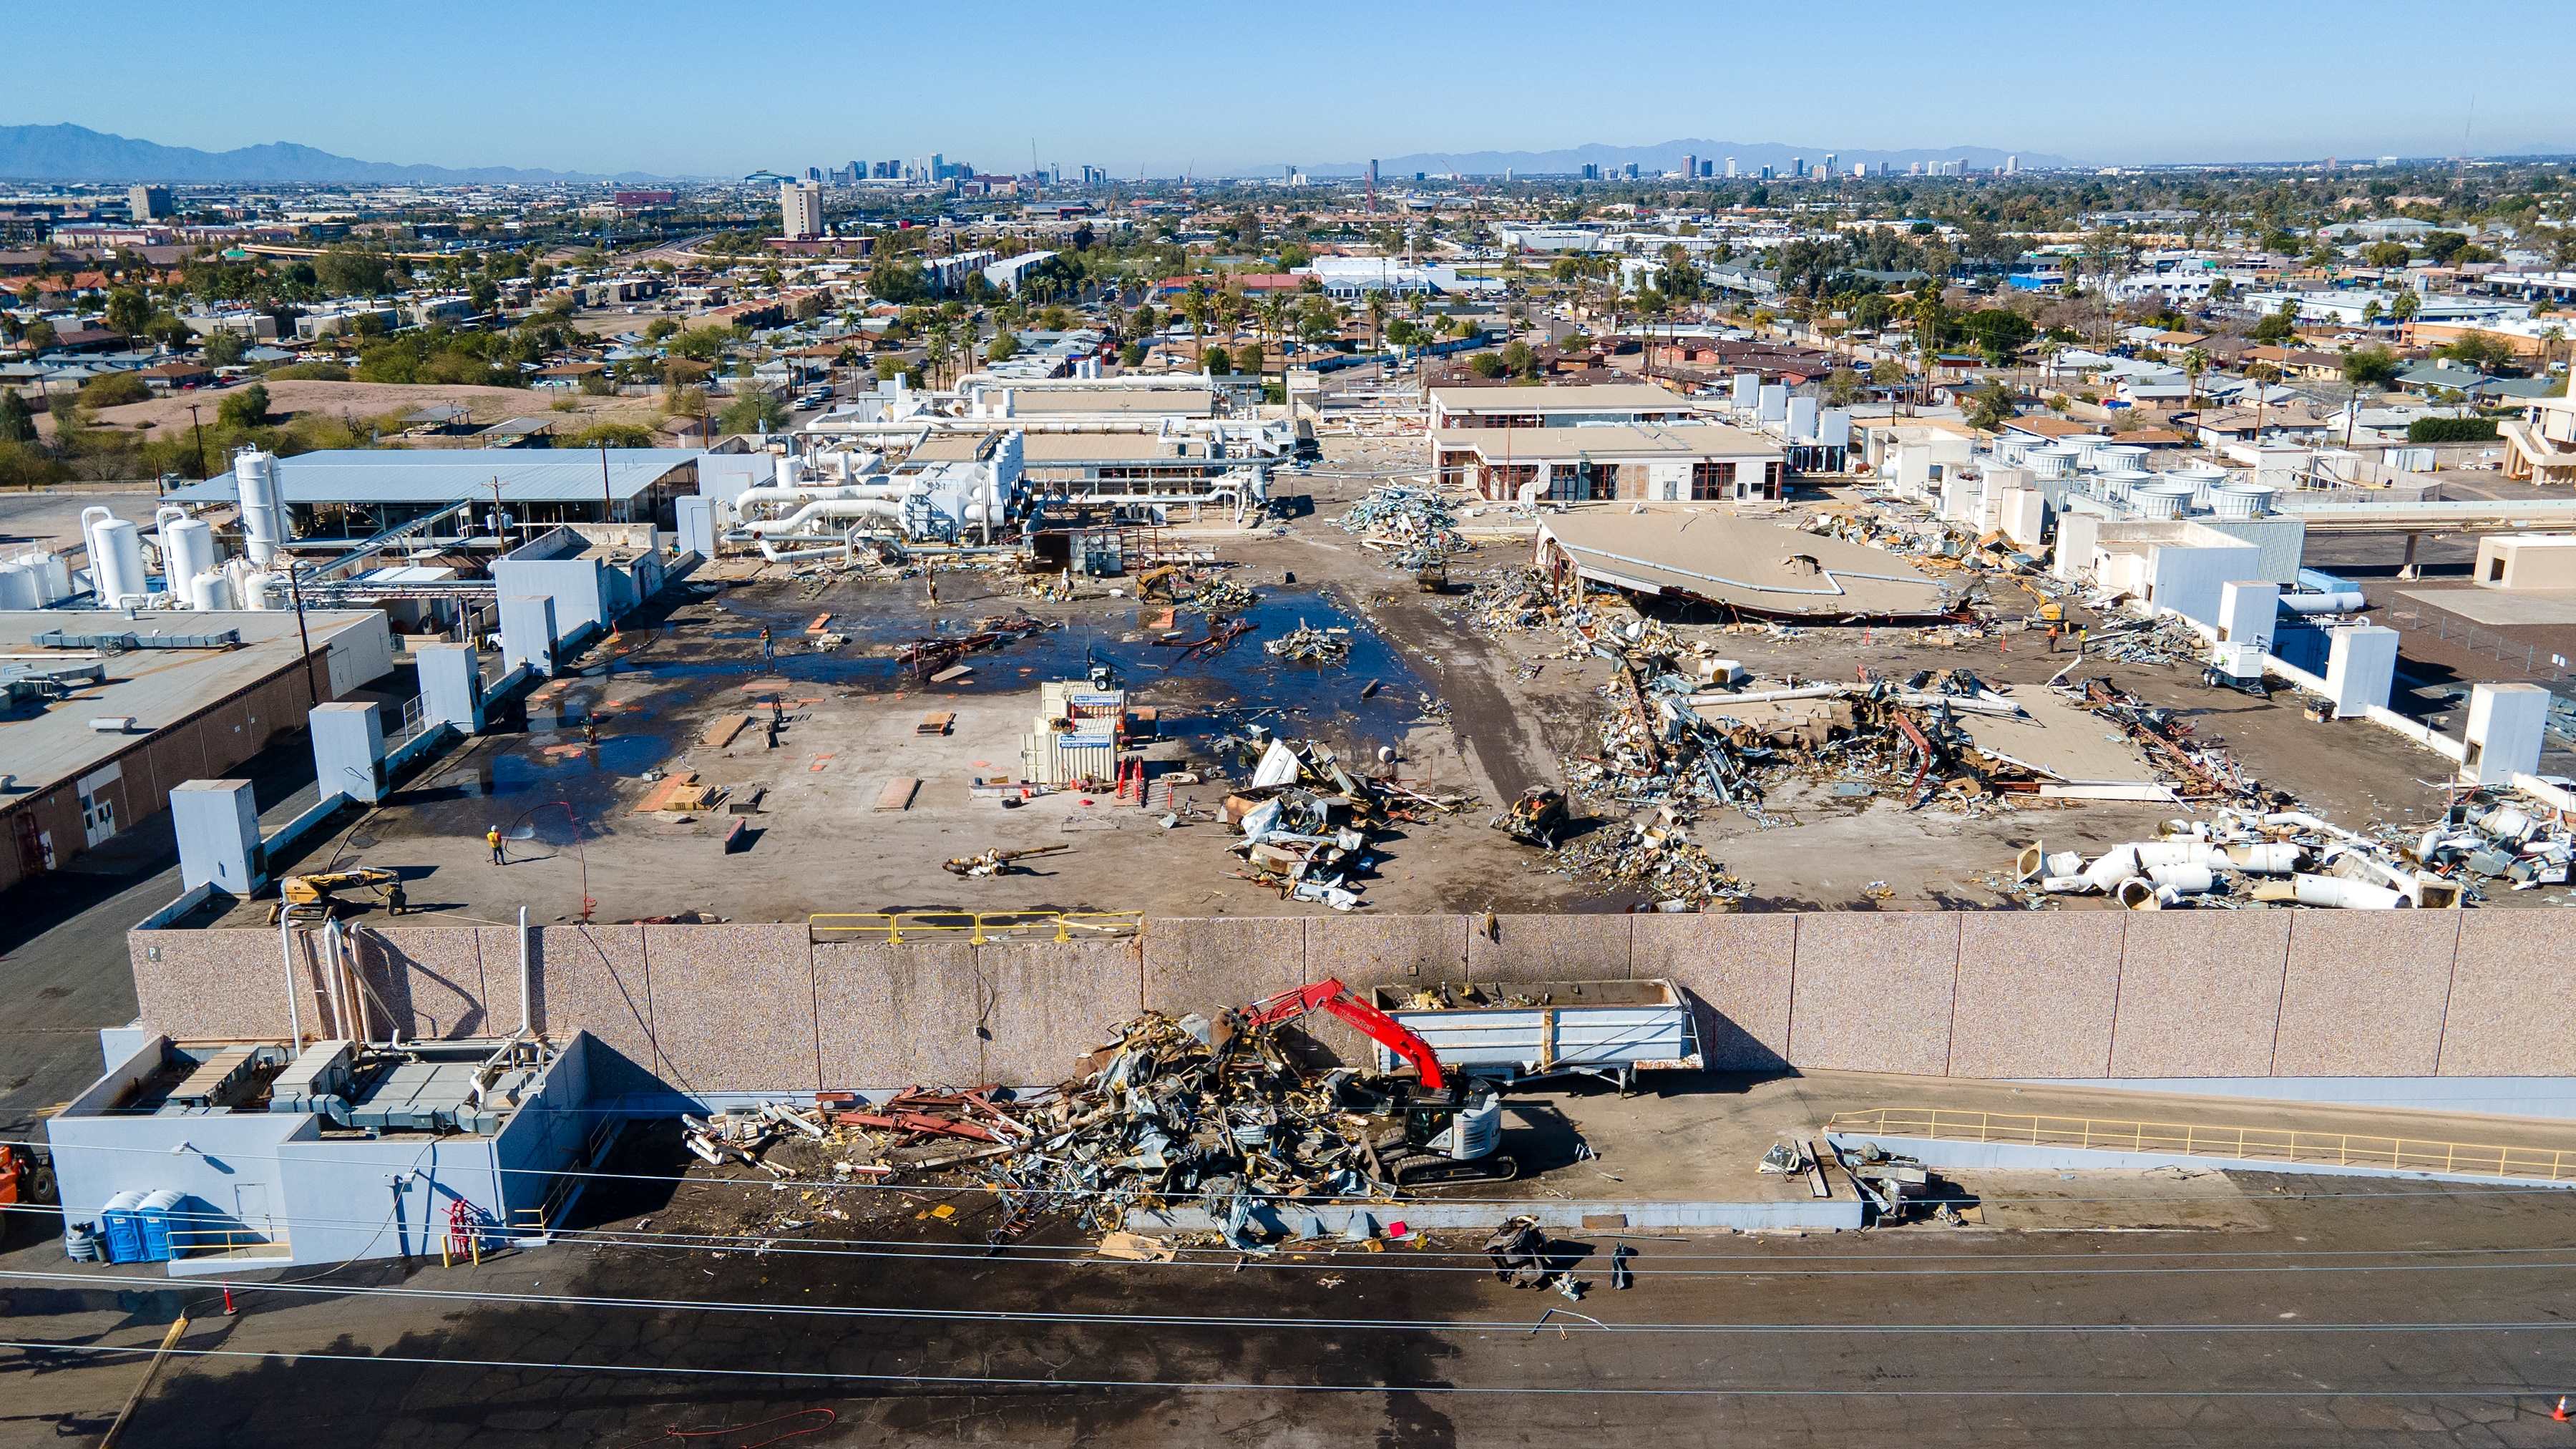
[981, 927]
[2259, 1144]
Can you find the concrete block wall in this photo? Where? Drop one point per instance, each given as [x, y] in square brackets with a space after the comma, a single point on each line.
[2073, 995]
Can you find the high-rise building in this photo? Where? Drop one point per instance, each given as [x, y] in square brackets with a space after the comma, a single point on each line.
[1628, 172]
[1797, 166]
[1730, 168]
[1690, 168]
[1766, 173]
[1830, 159]
[2012, 165]
[148, 203]
[800, 209]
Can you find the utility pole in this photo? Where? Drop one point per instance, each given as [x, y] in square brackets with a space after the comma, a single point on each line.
[199, 428]
[606, 502]
[295, 587]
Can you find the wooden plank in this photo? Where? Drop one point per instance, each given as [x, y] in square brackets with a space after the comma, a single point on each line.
[820, 622]
[937, 722]
[664, 789]
[897, 795]
[951, 674]
[721, 732]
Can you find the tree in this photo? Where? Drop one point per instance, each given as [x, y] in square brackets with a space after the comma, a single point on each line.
[2194, 363]
[17, 424]
[1843, 387]
[756, 411]
[1486, 365]
[1213, 358]
[114, 389]
[2370, 367]
[2385, 255]
[1518, 360]
[1991, 407]
[2408, 303]
[127, 312]
[2482, 350]
[1132, 354]
[898, 281]
[245, 409]
[40, 336]
[703, 344]
[2279, 327]
[1002, 348]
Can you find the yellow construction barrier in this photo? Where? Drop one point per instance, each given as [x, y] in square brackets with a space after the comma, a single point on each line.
[981, 927]
[2259, 1144]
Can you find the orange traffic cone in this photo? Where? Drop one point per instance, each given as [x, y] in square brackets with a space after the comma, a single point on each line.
[2559, 1414]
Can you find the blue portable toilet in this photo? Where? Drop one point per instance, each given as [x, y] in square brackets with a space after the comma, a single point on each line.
[116, 1224]
[153, 1217]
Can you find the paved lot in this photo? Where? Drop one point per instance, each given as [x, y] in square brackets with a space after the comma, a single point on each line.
[2404, 1315]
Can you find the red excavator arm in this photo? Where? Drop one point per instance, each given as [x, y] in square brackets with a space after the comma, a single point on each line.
[1331, 995]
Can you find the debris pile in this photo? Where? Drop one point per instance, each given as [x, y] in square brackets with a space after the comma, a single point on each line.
[1507, 599]
[1216, 596]
[1414, 525]
[1308, 645]
[1657, 858]
[2237, 857]
[1308, 823]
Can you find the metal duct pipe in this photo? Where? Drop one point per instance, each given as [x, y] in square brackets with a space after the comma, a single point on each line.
[325, 951]
[2190, 880]
[2341, 601]
[2271, 857]
[890, 509]
[2332, 890]
[523, 971]
[286, 953]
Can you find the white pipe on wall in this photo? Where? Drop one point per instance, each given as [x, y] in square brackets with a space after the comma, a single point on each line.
[286, 951]
[524, 1004]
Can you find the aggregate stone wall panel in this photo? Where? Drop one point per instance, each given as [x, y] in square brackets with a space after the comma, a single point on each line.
[2364, 997]
[499, 949]
[733, 1006]
[1873, 991]
[1548, 948]
[2036, 993]
[2200, 993]
[1736, 969]
[1048, 1005]
[2513, 996]
[1209, 963]
[1377, 950]
[598, 979]
[893, 1016]
[431, 979]
[223, 984]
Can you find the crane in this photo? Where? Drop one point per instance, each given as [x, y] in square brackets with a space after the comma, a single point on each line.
[1451, 1128]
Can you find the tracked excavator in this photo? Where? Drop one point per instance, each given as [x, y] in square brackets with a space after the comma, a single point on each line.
[1440, 1129]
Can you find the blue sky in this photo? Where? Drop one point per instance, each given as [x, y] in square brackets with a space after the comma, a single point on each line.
[715, 88]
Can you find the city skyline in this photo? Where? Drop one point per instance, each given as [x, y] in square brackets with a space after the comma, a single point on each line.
[505, 104]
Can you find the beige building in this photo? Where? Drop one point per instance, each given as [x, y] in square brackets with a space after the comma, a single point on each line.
[1644, 462]
[2527, 561]
[2540, 447]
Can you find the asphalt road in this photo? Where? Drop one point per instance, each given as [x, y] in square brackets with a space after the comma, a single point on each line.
[2415, 1315]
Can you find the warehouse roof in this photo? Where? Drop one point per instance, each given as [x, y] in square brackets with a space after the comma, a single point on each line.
[1720, 558]
[1570, 397]
[444, 475]
[1642, 441]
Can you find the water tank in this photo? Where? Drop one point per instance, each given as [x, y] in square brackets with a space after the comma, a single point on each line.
[51, 575]
[2119, 457]
[2161, 500]
[790, 471]
[2087, 447]
[20, 588]
[116, 565]
[263, 508]
[263, 591]
[2057, 460]
[2239, 500]
[187, 550]
[211, 590]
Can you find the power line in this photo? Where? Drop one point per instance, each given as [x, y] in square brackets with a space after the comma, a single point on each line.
[1222, 1320]
[2506, 1391]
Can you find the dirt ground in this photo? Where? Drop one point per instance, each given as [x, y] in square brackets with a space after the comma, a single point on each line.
[359, 400]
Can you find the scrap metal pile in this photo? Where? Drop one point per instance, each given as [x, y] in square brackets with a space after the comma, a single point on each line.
[2246, 856]
[1308, 645]
[1506, 599]
[1309, 824]
[1415, 525]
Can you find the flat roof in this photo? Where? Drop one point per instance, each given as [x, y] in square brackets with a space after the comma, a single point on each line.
[1559, 397]
[445, 475]
[1614, 441]
[1197, 402]
[1723, 558]
[157, 687]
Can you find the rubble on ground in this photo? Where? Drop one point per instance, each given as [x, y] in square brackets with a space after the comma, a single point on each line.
[1414, 528]
[1309, 822]
[1308, 645]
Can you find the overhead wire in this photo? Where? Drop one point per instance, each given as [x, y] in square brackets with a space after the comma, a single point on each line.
[1877, 1390]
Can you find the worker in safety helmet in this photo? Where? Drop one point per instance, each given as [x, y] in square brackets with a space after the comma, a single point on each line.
[492, 838]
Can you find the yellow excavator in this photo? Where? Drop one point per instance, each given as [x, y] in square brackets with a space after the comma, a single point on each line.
[322, 888]
[1158, 583]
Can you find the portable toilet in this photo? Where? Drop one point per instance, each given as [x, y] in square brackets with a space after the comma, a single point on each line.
[122, 1234]
[153, 1218]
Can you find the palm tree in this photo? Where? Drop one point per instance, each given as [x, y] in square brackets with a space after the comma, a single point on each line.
[1274, 321]
[1377, 310]
[2194, 363]
[2262, 375]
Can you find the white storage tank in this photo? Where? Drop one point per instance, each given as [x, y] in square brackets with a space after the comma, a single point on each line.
[20, 588]
[2161, 500]
[263, 506]
[261, 590]
[2087, 448]
[117, 574]
[2239, 500]
[2057, 460]
[2120, 458]
[211, 590]
[187, 550]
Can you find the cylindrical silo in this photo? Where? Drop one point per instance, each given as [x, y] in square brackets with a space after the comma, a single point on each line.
[187, 550]
[20, 587]
[116, 565]
[263, 508]
[211, 590]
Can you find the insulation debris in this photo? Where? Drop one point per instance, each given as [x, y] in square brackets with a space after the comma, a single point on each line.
[1307, 645]
[1415, 527]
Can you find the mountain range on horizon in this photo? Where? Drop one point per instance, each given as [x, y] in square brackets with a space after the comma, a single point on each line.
[1750, 158]
[77, 153]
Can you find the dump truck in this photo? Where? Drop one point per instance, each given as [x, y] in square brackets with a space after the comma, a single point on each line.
[1521, 1031]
